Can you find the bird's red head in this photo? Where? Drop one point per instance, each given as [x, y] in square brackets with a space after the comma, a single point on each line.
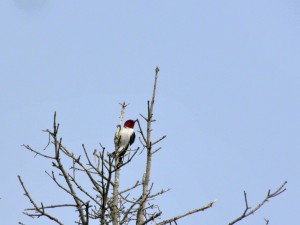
[129, 123]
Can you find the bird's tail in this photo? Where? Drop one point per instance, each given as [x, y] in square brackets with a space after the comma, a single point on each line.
[118, 154]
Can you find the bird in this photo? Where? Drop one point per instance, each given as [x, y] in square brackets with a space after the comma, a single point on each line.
[124, 138]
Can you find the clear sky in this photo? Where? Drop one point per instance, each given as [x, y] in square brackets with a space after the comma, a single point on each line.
[227, 98]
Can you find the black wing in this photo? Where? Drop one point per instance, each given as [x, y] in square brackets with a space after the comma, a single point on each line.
[132, 138]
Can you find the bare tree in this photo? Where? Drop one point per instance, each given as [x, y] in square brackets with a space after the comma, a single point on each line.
[101, 199]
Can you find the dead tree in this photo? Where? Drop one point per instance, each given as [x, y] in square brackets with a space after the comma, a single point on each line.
[101, 200]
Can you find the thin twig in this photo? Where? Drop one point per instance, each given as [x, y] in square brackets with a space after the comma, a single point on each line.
[267, 221]
[141, 131]
[138, 183]
[37, 153]
[160, 139]
[52, 207]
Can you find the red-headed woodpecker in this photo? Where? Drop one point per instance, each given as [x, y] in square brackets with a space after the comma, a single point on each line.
[124, 137]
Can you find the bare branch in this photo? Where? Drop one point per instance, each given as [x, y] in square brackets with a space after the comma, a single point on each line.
[88, 173]
[62, 187]
[267, 221]
[160, 139]
[270, 195]
[138, 183]
[156, 150]
[159, 193]
[209, 205]
[96, 185]
[146, 178]
[141, 131]
[152, 218]
[37, 153]
[115, 211]
[52, 207]
[144, 117]
[83, 191]
[58, 147]
[49, 139]
[38, 209]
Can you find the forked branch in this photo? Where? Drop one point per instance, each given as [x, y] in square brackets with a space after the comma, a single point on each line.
[247, 210]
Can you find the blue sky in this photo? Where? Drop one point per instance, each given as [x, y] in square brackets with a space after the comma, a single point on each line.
[227, 98]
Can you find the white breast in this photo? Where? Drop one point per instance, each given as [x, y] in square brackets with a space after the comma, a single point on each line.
[125, 134]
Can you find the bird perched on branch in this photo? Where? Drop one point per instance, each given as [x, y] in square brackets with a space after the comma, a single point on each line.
[124, 137]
